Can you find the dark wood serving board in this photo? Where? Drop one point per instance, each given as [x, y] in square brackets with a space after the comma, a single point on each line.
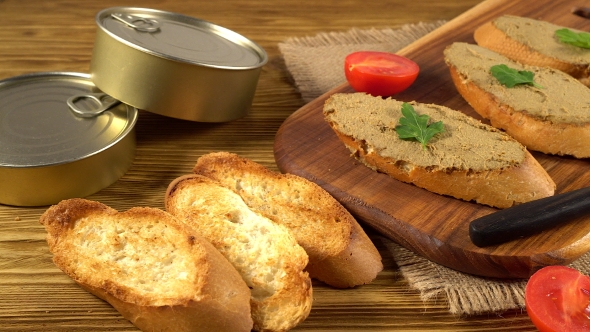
[432, 225]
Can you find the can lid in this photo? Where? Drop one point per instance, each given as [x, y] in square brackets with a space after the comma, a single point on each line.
[181, 38]
[39, 128]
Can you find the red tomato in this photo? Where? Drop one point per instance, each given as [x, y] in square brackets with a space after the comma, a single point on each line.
[558, 299]
[379, 73]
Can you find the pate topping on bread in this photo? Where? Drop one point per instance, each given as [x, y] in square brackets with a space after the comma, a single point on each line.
[540, 36]
[469, 160]
[465, 143]
[552, 102]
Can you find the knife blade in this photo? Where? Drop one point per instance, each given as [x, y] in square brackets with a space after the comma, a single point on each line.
[529, 218]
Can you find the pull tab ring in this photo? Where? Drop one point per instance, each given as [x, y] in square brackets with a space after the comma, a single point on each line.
[137, 22]
[102, 101]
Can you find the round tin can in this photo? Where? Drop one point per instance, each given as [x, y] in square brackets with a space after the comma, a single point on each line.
[175, 65]
[52, 145]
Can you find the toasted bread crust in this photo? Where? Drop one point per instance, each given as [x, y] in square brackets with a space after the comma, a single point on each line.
[536, 134]
[490, 37]
[340, 252]
[114, 255]
[265, 254]
[358, 264]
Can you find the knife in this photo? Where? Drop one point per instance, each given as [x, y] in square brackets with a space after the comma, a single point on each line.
[529, 218]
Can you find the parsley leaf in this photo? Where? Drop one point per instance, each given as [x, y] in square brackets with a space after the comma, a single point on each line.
[414, 126]
[511, 77]
[581, 39]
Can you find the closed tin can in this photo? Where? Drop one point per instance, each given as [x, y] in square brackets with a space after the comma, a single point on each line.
[52, 147]
[175, 65]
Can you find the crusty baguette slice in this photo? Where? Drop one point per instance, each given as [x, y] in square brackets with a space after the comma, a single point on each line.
[469, 160]
[340, 252]
[554, 119]
[265, 254]
[533, 42]
[149, 266]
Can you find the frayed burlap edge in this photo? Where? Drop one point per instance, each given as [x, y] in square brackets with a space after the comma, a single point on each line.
[402, 36]
[317, 63]
[466, 294]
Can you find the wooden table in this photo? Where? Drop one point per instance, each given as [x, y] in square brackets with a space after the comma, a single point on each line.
[58, 35]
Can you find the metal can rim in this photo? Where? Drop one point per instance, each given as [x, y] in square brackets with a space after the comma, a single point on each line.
[133, 115]
[252, 45]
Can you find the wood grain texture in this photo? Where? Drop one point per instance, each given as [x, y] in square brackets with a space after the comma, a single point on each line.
[58, 35]
[436, 226]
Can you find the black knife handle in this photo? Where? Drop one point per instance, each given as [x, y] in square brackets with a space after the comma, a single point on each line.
[529, 218]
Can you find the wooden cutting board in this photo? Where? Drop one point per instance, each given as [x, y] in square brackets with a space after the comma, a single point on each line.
[432, 225]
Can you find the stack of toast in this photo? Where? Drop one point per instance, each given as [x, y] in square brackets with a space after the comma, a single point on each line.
[235, 249]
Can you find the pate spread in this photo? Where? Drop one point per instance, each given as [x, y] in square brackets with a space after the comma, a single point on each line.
[540, 36]
[562, 98]
[466, 144]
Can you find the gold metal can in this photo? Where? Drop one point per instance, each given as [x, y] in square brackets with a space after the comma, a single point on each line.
[52, 147]
[175, 65]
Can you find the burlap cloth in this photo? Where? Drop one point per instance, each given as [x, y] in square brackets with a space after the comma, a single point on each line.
[316, 65]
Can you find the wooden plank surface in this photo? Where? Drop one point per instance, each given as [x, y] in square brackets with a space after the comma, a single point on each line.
[436, 226]
[58, 35]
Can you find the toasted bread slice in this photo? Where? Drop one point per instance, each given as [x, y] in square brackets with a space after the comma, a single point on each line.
[554, 119]
[533, 42]
[340, 252]
[469, 160]
[150, 267]
[264, 253]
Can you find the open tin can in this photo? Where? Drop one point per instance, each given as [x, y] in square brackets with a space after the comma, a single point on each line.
[175, 65]
[54, 147]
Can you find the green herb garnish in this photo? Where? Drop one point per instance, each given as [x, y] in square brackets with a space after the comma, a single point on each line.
[581, 39]
[415, 127]
[511, 77]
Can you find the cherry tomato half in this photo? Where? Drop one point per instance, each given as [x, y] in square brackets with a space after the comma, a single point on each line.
[558, 299]
[379, 73]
